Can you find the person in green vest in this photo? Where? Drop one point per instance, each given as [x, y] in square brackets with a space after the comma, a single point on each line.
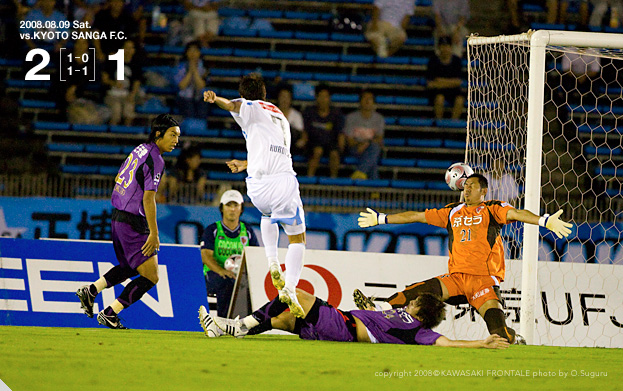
[220, 241]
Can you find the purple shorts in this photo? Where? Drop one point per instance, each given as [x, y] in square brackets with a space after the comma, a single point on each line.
[330, 326]
[127, 243]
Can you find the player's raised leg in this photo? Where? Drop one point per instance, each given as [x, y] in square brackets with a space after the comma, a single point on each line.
[270, 237]
[294, 261]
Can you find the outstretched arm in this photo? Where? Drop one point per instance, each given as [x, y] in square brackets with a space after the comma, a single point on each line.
[372, 218]
[493, 341]
[553, 222]
[225, 104]
[237, 165]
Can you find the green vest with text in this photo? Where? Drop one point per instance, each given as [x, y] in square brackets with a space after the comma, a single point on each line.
[225, 247]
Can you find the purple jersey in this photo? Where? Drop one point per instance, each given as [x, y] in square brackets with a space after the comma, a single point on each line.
[396, 326]
[140, 172]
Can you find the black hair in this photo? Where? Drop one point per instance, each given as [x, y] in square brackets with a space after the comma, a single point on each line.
[186, 153]
[484, 183]
[365, 91]
[252, 87]
[431, 310]
[160, 124]
[322, 87]
[444, 40]
[191, 44]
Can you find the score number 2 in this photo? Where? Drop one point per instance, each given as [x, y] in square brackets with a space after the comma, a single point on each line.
[45, 60]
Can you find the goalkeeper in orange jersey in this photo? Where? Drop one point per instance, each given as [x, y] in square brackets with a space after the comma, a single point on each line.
[476, 264]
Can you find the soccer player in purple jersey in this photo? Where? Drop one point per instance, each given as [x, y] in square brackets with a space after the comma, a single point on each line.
[134, 226]
[409, 325]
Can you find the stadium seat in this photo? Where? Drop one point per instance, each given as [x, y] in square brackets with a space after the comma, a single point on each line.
[240, 155]
[305, 76]
[194, 127]
[37, 104]
[332, 77]
[226, 176]
[394, 142]
[372, 182]
[294, 56]
[419, 61]
[266, 13]
[311, 36]
[251, 53]
[335, 181]
[276, 34]
[385, 100]
[408, 184]
[46, 125]
[393, 162]
[177, 50]
[230, 133]
[411, 101]
[420, 41]
[455, 144]
[413, 121]
[307, 180]
[127, 129]
[102, 148]
[302, 15]
[217, 52]
[229, 32]
[391, 120]
[350, 160]
[424, 143]
[393, 60]
[345, 98]
[90, 128]
[215, 154]
[233, 72]
[451, 123]
[108, 170]
[430, 163]
[363, 58]
[65, 147]
[312, 56]
[231, 12]
[402, 80]
[126, 150]
[368, 79]
[152, 49]
[341, 37]
[79, 169]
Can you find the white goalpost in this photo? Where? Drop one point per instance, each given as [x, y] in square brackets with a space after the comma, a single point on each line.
[545, 124]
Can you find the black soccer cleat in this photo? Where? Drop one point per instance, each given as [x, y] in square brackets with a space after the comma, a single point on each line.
[86, 300]
[362, 301]
[519, 340]
[110, 321]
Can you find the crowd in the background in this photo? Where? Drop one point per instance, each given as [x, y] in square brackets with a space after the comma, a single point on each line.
[321, 130]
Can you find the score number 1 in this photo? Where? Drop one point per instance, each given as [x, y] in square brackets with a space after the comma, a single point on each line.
[32, 74]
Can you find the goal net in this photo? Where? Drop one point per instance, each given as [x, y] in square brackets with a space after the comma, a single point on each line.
[545, 125]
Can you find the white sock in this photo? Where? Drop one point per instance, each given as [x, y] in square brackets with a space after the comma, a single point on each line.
[270, 237]
[294, 265]
[250, 322]
[383, 306]
[100, 284]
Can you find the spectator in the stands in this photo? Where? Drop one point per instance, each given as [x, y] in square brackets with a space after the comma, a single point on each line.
[561, 9]
[202, 18]
[443, 76]
[364, 132]
[187, 182]
[450, 19]
[295, 118]
[190, 79]
[79, 107]
[323, 132]
[580, 70]
[387, 29]
[600, 7]
[112, 18]
[85, 10]
[122, 94]
[45, 13]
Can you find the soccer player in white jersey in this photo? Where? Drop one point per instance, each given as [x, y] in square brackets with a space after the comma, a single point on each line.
[271, 181]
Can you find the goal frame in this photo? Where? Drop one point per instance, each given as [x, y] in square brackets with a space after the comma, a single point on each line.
[538, 42]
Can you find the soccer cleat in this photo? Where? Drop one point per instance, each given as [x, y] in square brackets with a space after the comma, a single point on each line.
[86, 300]
[233, 327]
[110, 321]
[519, 340]
[276, 276]
[210, 329]
[362, 301]
[288, 297]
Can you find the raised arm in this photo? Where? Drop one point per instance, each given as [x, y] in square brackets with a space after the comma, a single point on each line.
[553, 222]
[372, 218]
[225, 104]
[493, 341]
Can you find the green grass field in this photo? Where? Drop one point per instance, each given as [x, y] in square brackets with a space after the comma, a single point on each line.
[37, 358]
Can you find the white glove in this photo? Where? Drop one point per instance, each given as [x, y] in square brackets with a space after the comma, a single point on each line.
[554, 224]
[371, 218]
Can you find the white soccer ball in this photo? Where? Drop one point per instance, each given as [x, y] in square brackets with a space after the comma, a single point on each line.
[233, 263]
[457, 174]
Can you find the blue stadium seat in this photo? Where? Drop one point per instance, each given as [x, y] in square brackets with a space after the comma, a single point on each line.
[408, 184]
[229, 32]
[420, 41]
[127, 129]
[266, 13]
[392, 162]
[369, 79]
[177, 50]
[90, 128]
[230, 133]
[393, 60]
[394, 142]
[413, 121]
[411, 101]
[194, 127]
[306, 76]
[65, 147]
[126, 150]
[385, 100]
[251, 53]
[224, 52]
[216, 154]
[335, 181]
[28, 83]
[341, 37]
[311, 56]
[295, 56]
[408, 80]
[419, 61]
[240, 155]
[168, 90]
[391, 120]
[102, 148]
[363, 58]
[108, 170]
[233, 72]
[345, 98]
[299, 159]
[311, 36]
[307, 180]
[455, 144]
[424, 143]
[37, 104]
[152, 49]
[372, 182]
[302, 15]
[218, 112]
[434, 185]
[276, 34]
[350, 160]
[226, 176]
[229, 12]
[332, 77]
[430, 163]
[45, 125]
[79, 169]
[452, 123]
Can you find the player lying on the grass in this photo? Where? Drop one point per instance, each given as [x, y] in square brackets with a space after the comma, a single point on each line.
[476, 264]
[409, 325]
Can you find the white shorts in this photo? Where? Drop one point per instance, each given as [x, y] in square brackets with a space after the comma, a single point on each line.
[278, 197]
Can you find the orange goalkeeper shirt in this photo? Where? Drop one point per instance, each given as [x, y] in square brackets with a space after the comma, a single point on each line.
[474, 240]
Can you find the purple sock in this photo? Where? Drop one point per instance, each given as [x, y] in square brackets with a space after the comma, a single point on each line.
[269, 310]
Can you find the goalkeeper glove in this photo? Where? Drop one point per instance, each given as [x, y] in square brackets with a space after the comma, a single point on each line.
[371, 218]
[554, 224]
